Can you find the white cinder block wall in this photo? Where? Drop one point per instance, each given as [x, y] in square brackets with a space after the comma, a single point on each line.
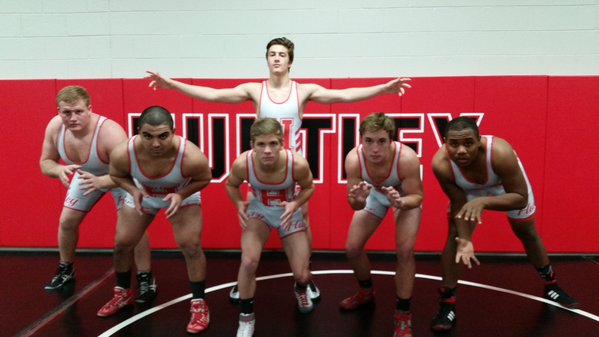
[334, 38]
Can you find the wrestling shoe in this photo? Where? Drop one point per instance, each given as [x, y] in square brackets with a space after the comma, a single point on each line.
[445, 318]
[313, 292]
[247, 323]
[64, 274]
[361, 298]
[554, 293]
[304, 303]
[147, 288]
[234, 294]
[200, 316]
[403, 324]
[122, 297]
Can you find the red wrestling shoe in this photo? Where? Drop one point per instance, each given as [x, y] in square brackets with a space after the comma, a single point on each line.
[403, 324]
[122, 298]
[200, 316]
[361, 298]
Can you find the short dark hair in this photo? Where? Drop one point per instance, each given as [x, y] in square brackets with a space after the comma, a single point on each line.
[155, 115]
[378, 121]
[283, 41]
[462, 123]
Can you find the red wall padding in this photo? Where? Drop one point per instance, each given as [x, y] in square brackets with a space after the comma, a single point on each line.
[571, 162]
[550, 122]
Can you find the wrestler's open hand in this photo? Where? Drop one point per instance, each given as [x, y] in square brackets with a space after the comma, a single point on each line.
[472, 211]
[89, 182]
[175, 199]
[397, 86]
[242, 208]
[290, 208]
[65, 173]
[394, 197]
[138, 196]
[359, 192]
[465, 252]
[159, 81]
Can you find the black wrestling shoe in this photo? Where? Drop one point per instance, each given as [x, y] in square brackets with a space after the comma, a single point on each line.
[554, 293]
[148, 288]
[64, 274]
[445, 318]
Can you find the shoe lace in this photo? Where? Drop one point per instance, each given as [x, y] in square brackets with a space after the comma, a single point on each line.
[199, 318]
[402, 325]
[144, 286]
[355, 298]
[118, 298]
[403, 320]
[199, 311]
[303, 298]
[61, 273]
[361, 296]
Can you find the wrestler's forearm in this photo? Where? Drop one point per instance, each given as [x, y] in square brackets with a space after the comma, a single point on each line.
[505, 202]
[50, 168]
[304, 195]
[465, 229]
[106, 182]
[125, 183]
[411, 201]
[234, 194]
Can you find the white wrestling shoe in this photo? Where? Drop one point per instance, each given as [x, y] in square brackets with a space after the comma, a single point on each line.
[247, 323]
[304, 303]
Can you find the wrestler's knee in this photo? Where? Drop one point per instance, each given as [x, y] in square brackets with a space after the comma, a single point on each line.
[69, 224]
[123, 245]
[353, 249]
[191, 247]
[249, 264]
[302, 276]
